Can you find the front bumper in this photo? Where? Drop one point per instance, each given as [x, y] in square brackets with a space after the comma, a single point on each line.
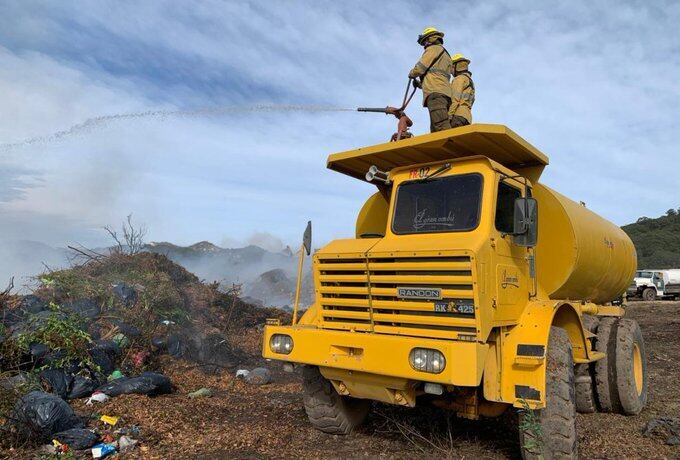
[379, 354]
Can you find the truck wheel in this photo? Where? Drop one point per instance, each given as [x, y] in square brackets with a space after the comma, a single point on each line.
[649, 295]
[551, 432]
[605, 368]
[631, 367]
[327, 410]
[584, 381]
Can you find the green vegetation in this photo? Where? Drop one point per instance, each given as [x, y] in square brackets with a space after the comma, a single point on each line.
[657, 241]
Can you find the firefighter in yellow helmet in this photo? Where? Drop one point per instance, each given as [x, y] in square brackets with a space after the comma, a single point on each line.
[462, 92]
[432, 73]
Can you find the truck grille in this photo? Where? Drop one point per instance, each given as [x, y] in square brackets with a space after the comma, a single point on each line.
[361, 295]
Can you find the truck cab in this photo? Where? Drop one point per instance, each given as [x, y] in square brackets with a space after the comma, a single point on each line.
[463, 286]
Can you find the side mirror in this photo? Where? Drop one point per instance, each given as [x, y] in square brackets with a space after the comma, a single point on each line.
[307, 238]
[525, 229]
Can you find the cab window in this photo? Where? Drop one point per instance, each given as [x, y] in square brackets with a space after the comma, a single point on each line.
[505, 207]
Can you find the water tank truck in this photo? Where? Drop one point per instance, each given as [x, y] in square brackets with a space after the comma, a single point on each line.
[471, 286]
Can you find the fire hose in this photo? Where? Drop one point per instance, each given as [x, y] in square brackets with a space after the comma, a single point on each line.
[404, 122]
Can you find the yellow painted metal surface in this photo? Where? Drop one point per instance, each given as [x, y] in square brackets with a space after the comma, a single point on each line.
[380, 354]
[496, 142]
[579, 254]
[360, 330]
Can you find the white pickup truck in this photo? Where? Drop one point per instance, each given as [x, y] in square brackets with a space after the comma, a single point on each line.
[651, 284]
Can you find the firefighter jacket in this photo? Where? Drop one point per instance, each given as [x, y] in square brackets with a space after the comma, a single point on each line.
[462, 96]
[436, 79]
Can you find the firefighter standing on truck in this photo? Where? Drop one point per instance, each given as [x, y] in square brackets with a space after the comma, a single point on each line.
[434, 71]
[462, 92]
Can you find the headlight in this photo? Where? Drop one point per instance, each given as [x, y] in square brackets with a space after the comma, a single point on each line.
[427, 360]
[280, 343]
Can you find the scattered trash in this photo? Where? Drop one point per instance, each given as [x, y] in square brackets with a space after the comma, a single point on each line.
[108, 439]
[132, 430]
[115, 375]
[139, 358]
[10, 383]
[167, 322]
[202, 393]
[81, 387]
[126, 444]
[59, 447]
[102, 450]
[148, 383]
[259, 376]
[109, 419]
[121, 340]
[127, 329]
[125, 293]
[97, 396]
[668, 427]
[39, 415]
[77, 438]
[48, 449]
[85, 308]
[56, 381]
[242, 373]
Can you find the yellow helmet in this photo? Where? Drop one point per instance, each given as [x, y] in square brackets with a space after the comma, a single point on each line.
[458, 57]
[427, 33]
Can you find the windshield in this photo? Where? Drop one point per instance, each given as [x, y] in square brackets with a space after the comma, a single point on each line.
[644, 275]
[447, 204]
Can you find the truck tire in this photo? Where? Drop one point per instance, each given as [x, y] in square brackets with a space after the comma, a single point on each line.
[649, 295]
[551, 432]
[605, 369]
[631, 367]
[327, 410]
[583, 373]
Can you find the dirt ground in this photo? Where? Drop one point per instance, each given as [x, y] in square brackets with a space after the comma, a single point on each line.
[245, 421]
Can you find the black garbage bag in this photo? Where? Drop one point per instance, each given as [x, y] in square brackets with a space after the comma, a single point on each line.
[148, 383]
[159, 343]
[102, 359]
[38, 351]
[39, 415]
[85, 308]
[32, 304]
[82, 387]
[127, 329]
[56, 381]
[176, 345]
[125, 293]
[77, 438]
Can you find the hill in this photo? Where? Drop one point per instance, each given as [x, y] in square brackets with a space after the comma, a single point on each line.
[657, 240]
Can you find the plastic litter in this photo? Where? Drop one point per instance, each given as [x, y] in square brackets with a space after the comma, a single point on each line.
[132, 430]
[668, 427]
[202, 393]
[139, 358]
[86, 308]
[77, 438]
[97, 396]
[56, 381]
[109, 419]
[125, 294]
[259, 376]
[242, 373]
[115, 375]
[40, 415]
[121, 340]
[81, 387]
[101, 450]
[126, 443]
[148, 383]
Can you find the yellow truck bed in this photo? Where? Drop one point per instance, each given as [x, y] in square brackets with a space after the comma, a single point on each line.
[497, 142]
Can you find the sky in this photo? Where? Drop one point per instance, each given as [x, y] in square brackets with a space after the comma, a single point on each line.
[189, 115]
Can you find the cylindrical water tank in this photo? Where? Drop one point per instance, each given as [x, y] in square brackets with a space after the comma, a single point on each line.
[580, 255]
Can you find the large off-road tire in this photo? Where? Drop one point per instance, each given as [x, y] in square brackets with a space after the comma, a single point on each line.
[631, 367]
[605, 369]
[649, 295]
[327, 410]
[584, 379]
[550, 433]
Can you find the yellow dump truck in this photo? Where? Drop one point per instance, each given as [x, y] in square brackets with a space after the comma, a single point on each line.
[471, 286]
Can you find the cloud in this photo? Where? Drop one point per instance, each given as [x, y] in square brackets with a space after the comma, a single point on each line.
[596, 86]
